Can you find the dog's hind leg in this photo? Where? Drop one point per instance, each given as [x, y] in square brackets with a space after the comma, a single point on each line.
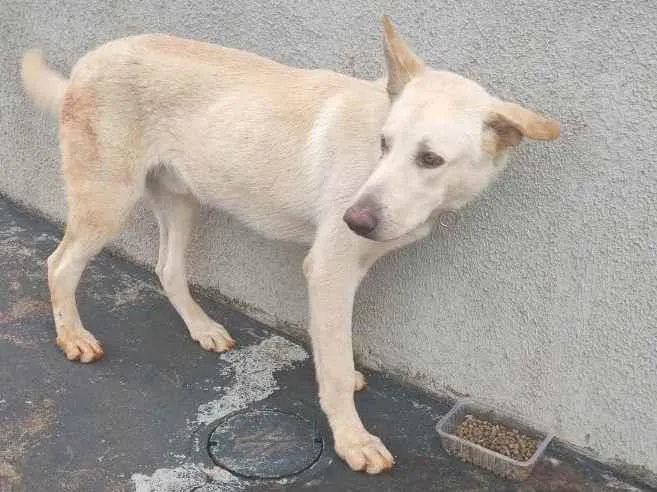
[100, 198]
[176, 214]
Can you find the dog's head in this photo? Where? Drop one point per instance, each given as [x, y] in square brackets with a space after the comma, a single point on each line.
[444, 140]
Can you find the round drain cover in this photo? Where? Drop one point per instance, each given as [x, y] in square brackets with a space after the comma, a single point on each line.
[265, 444]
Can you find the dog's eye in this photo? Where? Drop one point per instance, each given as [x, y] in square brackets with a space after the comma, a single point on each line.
[384, 145]
[430, 160]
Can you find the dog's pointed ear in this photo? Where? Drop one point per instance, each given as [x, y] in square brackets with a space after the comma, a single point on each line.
[508, 123]
[402, 64]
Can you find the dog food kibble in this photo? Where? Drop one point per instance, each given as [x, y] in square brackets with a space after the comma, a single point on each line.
[497, 437]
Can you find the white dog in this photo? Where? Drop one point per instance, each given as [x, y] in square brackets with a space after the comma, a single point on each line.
[354, 168]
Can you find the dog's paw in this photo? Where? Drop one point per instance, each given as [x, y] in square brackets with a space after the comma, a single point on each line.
[212, 337]
[80, 345]
[364, 452]
[359, 381]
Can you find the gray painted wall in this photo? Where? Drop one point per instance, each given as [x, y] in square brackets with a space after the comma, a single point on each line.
[542, 298]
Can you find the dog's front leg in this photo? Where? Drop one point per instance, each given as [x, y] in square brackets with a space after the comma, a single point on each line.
[334, 268]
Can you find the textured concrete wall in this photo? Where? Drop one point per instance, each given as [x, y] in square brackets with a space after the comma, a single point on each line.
[543, 297]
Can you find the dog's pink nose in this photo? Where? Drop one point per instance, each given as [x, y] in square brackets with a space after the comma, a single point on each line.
[361, 220]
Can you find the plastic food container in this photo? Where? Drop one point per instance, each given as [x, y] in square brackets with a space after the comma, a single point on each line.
[475, 454]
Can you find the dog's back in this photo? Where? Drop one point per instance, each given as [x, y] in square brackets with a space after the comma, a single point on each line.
[230, 123]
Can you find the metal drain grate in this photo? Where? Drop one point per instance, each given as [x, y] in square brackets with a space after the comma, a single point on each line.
[265, 444]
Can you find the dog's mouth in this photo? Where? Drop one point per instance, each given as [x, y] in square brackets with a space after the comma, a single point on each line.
[365, 219]
[379, 236]
[444, 219]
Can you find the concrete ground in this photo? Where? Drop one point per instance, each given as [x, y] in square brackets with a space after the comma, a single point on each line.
[140, 418]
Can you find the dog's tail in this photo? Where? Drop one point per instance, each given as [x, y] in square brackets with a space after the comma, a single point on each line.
[44, 85]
